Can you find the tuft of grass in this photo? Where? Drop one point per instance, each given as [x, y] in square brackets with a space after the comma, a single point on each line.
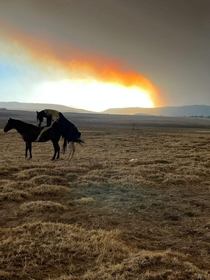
[10, 194]
[13, 195]
[5, 275]
[42, 206]
[28, 173]
[176, 179]
[45, 179]
[85, 200]
[51, 190]
[192, 170]
[19, 185]
[5, 183]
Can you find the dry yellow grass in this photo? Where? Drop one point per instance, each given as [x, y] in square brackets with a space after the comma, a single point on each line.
[42, 206]
[53, 190]
[65, 248]
[147, 265]
[28, 173]
[31, 248]
[152, 184]
[8, 193]
[85, 200]
[19, 185]
[42, 179]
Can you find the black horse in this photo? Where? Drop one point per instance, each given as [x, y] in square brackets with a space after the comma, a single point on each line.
[67, 129]
[30, 133]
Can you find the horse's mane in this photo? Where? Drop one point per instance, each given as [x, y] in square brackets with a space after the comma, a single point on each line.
[24, 124]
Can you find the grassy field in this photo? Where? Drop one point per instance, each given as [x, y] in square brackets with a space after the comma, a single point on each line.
[132, 204]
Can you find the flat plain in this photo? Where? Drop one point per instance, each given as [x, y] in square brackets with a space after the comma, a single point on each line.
[132, 204]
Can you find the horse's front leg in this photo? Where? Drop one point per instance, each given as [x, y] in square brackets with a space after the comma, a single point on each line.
[55, 150]
[58, 151]
[30, 149]
[26, 152]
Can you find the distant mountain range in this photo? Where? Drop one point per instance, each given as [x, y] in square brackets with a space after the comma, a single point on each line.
[39, 107]
[170, 111]
[182, 111]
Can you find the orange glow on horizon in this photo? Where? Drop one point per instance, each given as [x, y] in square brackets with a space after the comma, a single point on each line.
[83, 65]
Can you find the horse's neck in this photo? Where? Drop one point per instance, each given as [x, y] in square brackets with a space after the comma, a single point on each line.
[20, 127]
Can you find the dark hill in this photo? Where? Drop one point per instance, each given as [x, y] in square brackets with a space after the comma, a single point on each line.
[39, 107]
[182, 111]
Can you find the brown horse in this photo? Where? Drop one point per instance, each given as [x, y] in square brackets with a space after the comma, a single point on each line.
[30, 133]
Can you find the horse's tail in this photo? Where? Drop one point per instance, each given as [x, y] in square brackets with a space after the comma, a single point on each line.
[66, 141]
[72, 137]
[64, 144]
[80, 141]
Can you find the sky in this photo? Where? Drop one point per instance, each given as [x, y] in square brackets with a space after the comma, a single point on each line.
[100, 54]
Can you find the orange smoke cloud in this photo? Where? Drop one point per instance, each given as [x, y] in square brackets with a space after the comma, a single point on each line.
[82, 64]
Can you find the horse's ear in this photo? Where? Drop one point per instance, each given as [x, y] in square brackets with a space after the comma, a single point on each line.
[10, 118]
[37, 112]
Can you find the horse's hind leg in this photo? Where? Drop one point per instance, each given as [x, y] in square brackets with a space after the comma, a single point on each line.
[54, 152]
[39, 138]
[71, 150]
[58, 151]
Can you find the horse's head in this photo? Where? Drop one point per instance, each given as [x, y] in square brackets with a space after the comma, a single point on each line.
[39, 117]
[9, 125]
